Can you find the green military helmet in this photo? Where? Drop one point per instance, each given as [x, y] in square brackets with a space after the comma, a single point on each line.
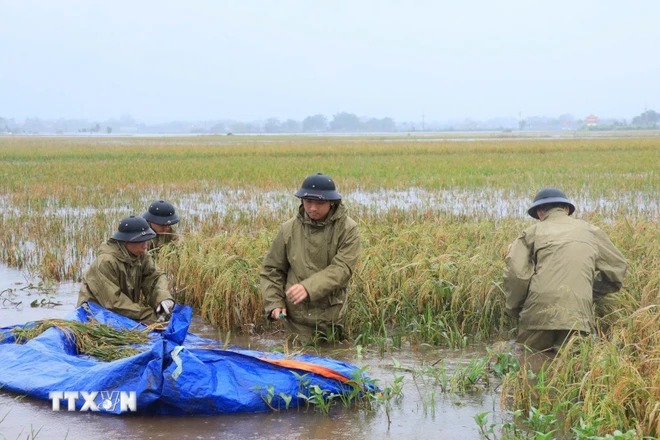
[161, 212]
[134, 230]
[547, 196]
[318, 187]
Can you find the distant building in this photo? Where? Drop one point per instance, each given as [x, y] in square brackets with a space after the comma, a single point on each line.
[591, 121]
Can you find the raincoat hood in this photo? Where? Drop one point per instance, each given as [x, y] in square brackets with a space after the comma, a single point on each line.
[118, 250]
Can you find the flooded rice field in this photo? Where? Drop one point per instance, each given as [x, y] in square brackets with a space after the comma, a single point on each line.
[424, 411]
[231, 206]
[486, 202]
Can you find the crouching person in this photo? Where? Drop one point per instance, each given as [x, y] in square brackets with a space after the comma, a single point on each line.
[124, 279]
[554, 270]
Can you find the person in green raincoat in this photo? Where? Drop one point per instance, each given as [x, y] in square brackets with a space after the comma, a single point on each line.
[161, 217]
[554, 271]
[307, 269]
[124, 279]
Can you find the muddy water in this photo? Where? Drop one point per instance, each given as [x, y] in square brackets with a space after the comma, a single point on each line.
[424, 412]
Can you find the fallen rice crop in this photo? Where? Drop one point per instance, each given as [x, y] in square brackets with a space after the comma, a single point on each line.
[91, 338]
[435, 218]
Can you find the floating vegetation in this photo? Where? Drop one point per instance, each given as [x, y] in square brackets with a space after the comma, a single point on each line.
[9, 297]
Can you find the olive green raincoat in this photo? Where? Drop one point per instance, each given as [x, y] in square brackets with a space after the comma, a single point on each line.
[319, 255]
[555, 269]
[129, 285]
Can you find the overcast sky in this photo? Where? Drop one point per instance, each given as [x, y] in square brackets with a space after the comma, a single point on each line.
[165, 60]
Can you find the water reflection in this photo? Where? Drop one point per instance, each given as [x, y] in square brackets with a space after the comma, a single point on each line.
[485, 202]
[424, 411]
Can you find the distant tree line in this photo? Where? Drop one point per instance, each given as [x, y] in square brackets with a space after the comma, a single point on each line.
[649, 118]
[342, 122]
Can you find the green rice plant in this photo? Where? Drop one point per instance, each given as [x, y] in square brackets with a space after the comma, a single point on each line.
[320, 398]
[389, 394]
[441, 375]
[589, 431]
[504, 363]
[486, 430]
[268, 396]
[359, 391]
[606, 384]
[538, 426]
[471, 377]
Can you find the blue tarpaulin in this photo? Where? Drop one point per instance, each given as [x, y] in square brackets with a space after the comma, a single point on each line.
[177, 373]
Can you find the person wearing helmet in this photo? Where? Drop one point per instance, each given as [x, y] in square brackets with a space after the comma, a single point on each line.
[124, 278]
[161, 217]
[307, 269]
[555, 270]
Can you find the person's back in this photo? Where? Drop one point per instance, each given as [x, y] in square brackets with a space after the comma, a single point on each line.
[554, 269]
[560, 294]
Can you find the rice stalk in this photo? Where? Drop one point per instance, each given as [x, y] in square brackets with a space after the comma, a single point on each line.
[90, 338]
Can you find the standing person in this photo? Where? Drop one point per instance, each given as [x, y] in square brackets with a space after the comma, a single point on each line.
[308, 267]
[554, 270]
[123, 277]
[161, 216]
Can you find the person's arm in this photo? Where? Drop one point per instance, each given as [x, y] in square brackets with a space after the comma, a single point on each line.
[340, 270]
[611, 266]
[517, 275]
[273, 275]
[102, 280]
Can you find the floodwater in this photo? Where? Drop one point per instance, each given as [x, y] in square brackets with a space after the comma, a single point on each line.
[485, 202]
[424, 412]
